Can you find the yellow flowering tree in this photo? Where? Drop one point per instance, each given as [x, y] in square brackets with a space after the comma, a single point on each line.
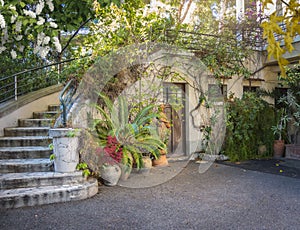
[283, 24]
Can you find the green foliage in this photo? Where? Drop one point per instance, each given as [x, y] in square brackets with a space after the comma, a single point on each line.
[119, 26]
[282, 122]
[85, 169]
[291, 103]
[51, 146]
[249, 122]
[73, 133]
[136, 136]
[52, 157]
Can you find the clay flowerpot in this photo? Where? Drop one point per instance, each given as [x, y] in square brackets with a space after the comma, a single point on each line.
[162, 160]
[110, 174]
[147, 165]
[278, 148]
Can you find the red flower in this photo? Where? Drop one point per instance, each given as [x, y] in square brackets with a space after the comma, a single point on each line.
[113, 149]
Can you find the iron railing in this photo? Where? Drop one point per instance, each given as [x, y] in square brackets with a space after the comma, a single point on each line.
[21, 83]
[66, 101]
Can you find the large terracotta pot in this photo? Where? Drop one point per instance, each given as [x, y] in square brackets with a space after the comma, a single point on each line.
[278, 148]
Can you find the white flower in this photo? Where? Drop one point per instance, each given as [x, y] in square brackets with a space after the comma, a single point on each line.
[13, 54]
[44, 51]
[19, 37]
[2, 22]
[18, 26]
[13, 18]
[57, 44]
[46, 40]
[29, 13]
[40, 38]
[5, 36]
[41, 21]
[50, 5]
[11, 7]
[21, 48]
[36, 49]
[2, 2]
[39, 7]
[2, 48]
[53, 25]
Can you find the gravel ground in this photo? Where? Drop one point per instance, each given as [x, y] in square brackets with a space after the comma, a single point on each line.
[223, 197]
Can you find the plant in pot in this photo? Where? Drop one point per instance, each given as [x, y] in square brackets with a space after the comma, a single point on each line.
[164, 132]
[135, 135]
[278, 131]
[112, 154]
[293, 124]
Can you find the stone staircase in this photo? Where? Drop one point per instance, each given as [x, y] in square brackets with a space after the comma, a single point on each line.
[26, 174]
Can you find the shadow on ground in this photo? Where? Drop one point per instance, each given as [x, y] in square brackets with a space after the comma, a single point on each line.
[282, 166]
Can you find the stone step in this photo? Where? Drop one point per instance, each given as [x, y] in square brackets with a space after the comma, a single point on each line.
[53, 107]
[45, 115]
[36, 122]
[38, 179]
[25, 152]
[26, 131]
[25, 165]
[22, 197]
[25, 141]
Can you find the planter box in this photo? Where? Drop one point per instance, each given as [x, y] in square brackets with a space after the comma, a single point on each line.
[65, 149]
[292, 151]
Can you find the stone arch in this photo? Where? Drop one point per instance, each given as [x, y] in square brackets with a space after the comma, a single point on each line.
[105, 68]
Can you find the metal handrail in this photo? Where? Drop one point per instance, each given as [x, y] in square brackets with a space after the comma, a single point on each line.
[65, 99]
[11, 87]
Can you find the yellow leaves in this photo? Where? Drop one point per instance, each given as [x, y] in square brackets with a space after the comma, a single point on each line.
[288, 39]
[266, 2]
[280, 31]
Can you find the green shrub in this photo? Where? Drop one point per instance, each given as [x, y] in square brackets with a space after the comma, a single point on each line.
[249, 122]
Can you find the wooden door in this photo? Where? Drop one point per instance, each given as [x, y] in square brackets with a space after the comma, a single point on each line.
[174, 100]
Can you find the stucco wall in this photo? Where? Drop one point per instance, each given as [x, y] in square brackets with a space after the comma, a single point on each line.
[26, 105]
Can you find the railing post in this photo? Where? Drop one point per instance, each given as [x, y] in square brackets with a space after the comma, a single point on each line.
[16, 88]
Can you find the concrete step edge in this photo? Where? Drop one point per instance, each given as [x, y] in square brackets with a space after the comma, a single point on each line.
[24, 149]
[37, 179]
[24, 197]
[16, 162]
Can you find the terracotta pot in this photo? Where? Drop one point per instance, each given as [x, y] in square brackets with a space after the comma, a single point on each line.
[147, 165]
[278, 148]
[162, 160]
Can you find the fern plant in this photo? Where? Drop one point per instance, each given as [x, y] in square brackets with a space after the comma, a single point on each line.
[137, 135]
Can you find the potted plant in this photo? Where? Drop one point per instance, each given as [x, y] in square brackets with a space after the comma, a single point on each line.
[293, 107]
[164, 132]
[65, 149]
[278, 131]
[135, 134]
[110, 170]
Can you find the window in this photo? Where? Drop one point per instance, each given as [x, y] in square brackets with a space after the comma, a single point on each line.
[250, 89]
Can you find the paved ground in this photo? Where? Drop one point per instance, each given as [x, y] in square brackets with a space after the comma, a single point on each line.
[223, 197]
